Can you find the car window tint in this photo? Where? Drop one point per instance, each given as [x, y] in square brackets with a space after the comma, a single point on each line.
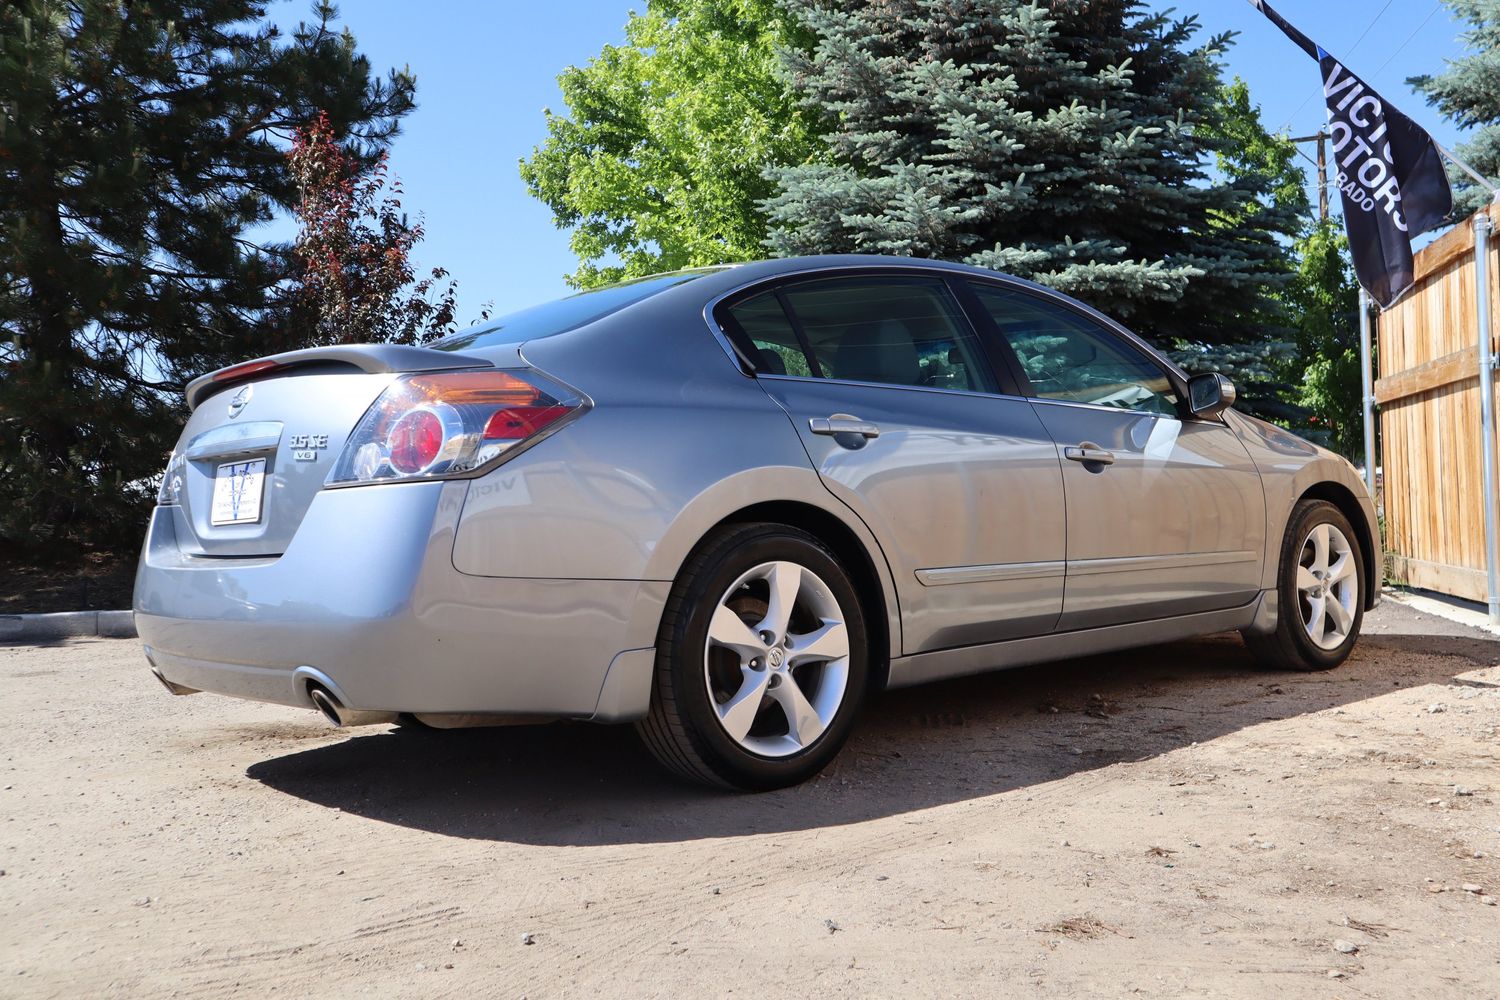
[774, 347]
[1068, 357]
[569, 313]
[892, 330]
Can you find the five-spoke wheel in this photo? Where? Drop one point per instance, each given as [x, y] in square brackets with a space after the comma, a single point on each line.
[761, 661]
[1327, 585]
[777, 659]
[1320, 592]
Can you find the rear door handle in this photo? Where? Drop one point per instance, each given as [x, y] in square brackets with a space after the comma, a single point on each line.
[1089, 454]
[843, 423]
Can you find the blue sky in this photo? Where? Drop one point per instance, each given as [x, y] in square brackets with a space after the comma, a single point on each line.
[486, 70]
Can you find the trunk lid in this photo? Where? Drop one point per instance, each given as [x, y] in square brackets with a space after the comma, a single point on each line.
[265, 443]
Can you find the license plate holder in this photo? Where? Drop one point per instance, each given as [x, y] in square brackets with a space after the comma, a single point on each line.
[238, 488]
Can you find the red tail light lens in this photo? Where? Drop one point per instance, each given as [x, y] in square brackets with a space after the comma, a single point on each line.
[415, 441]
[450, 424]
[517, 423]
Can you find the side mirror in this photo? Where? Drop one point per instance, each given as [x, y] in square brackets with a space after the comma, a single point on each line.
[1210, 394]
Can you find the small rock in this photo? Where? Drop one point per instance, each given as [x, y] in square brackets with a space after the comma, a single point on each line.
[457, 944]
[1472, 887]
[1335, 974]
[878, 878]
[1063, 843]
[1487, 900]
[143, 901]
[1436, 707]
[1345, 947]
[528, 938]
[715, 890]
[1266, 845]
[421, 967]
[832, 926]
[1462, 790]
[1434, 802]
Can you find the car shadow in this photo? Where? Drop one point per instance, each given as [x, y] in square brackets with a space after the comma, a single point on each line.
[580, 784]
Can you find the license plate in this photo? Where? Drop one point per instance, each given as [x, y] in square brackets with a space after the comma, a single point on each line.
[237, 491]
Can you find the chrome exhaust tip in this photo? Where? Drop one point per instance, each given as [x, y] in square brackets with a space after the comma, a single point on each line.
[176, 689]
[341, 717]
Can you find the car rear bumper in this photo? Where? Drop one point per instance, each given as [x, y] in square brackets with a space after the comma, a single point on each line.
[366, 601]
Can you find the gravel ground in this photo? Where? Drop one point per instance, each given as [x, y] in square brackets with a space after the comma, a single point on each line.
[1166, 823]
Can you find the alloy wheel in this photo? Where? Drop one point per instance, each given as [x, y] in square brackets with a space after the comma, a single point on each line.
[1327, 586]
[777, 659]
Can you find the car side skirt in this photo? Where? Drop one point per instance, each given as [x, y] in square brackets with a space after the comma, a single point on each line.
[944, 663]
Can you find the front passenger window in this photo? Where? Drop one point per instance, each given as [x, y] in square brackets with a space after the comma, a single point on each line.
[1069, 358]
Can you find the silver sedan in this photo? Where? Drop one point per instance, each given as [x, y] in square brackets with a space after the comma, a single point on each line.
[727, 505]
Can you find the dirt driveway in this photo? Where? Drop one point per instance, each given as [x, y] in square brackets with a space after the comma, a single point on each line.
[1170, 823]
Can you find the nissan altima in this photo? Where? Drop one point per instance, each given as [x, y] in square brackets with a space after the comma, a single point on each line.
[727, 505]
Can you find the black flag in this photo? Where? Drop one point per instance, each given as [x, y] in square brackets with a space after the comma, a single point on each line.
[1387, 169]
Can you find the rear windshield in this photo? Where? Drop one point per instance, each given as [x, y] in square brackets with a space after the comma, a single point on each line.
[562, 315]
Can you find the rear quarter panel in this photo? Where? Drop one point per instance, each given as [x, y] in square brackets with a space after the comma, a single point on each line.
[677, 440]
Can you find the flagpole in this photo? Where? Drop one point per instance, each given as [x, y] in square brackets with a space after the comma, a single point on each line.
[1478, 177]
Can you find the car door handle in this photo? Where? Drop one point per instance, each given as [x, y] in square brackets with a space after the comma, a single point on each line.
[843, 423]
[1089, 454]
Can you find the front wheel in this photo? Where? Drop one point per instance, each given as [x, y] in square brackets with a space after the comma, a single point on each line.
[761, 661]
[1320, 592]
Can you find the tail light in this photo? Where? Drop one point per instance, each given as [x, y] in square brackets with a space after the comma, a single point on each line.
[451, 424]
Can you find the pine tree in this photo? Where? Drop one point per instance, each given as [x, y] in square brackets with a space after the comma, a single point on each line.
[1068, 141]
[140, 146]
[1468, 94]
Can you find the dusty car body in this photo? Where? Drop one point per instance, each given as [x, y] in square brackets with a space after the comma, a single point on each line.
[979, 472]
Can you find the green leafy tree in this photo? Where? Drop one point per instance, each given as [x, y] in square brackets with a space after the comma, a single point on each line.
[1324, 296]
[658, 162]
[1069, 142]
[1468, 94]
[141, 144]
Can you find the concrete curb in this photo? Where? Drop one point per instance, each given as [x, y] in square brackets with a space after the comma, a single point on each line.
[67, 625]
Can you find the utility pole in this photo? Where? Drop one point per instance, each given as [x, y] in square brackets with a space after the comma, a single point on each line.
[1322, 140]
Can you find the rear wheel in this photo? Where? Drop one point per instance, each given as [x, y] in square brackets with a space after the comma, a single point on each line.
[761, 661]
[1320, 592]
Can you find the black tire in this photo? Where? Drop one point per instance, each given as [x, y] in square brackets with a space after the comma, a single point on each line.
[1290, 647]
[682, 729]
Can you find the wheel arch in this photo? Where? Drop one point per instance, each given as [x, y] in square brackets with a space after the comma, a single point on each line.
[1344, 499]
[860, 556]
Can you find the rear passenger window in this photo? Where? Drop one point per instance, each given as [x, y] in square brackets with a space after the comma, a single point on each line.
[763, 325]
[891, 330]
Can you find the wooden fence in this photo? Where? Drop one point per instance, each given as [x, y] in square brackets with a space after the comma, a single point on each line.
[1429, 419]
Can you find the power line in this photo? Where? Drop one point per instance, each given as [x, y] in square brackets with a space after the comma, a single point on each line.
[1368, 28]
[1434, 10]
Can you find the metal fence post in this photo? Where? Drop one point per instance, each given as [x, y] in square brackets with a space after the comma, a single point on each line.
[1482, 229]
[1367, 390]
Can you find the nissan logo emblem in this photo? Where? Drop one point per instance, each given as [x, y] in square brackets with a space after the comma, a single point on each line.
[238, 400]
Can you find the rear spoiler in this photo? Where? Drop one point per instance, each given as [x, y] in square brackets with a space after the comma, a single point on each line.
[372, 358]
